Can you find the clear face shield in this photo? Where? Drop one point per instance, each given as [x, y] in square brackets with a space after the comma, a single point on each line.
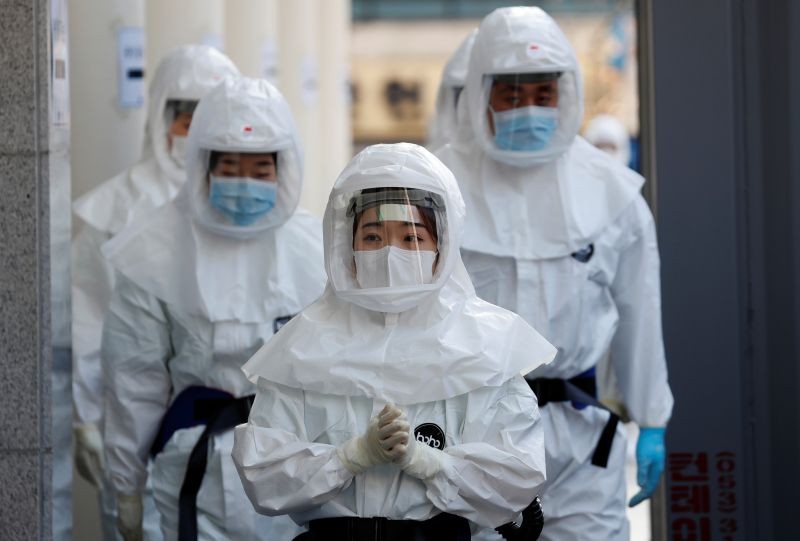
[388, 237]
[242, 186]
[522, 110]
[178, 118]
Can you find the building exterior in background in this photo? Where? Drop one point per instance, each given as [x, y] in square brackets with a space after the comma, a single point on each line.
[399, 49]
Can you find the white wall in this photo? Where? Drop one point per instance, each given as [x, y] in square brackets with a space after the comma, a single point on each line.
[251, 37]
[171, 23]
[104, 137]
[303, 47]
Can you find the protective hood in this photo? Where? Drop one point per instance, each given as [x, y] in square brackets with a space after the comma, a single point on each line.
[177, 252]
[242, 115]
[532, 205]
[402, 166]
[188, 73]
[443, 125]
[426, 343]
[110, 206]
[522, 40]
[609, 134]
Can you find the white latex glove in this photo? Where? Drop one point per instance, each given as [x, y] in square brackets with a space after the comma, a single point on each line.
[386, 435]
[129, 516]
[89, 453]
[418, 459]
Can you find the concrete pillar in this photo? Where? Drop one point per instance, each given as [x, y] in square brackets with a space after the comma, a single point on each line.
[106, 137]
[25, 319]
[298, 61]
[171, 23]
[336, 144]
[251, 37]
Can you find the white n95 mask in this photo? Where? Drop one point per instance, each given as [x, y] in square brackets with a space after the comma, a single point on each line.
[393, 267]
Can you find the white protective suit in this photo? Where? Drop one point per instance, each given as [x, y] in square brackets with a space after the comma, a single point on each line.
[187, 73]
[195, 297]
[562, 237]
[442, 128]
[435, 350]
[607, 133]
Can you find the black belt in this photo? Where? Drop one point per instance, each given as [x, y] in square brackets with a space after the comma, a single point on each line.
[582, 391]
[442, 527]
[224, 414]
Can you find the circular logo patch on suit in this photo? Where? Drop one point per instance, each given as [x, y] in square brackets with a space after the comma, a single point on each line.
[430, 434]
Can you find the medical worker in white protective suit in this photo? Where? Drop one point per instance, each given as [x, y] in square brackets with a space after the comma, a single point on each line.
[442, 128]
[398, 394]
[558, 232]
[184, 76]
[202, 282]
[610, 135]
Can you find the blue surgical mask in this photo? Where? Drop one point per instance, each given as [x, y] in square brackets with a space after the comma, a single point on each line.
[242, 200]
[525, 128]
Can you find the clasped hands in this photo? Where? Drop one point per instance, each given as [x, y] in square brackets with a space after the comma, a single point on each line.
[388, 438]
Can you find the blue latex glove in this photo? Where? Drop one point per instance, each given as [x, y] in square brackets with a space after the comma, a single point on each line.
[649, 462]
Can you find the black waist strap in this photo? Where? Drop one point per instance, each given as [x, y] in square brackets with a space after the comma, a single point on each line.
[442, 527]
[193, 406]
[575, 390]
[222, 415]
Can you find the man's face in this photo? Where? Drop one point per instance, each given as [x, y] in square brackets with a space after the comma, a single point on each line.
[505, 96]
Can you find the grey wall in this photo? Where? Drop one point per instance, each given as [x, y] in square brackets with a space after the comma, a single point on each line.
[25, 352]
[775, 260]
[727, 143]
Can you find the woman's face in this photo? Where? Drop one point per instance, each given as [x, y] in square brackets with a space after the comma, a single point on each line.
[374, 232]
[257, 165]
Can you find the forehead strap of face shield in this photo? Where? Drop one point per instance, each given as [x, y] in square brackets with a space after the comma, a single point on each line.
[372, 197]
[517, 78]
[177, 107]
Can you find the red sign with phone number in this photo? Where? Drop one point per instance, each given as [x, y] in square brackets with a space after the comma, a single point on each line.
[690, 496]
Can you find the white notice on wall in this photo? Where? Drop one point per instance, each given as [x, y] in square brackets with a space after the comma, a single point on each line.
[130, 57]
[59, 73]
